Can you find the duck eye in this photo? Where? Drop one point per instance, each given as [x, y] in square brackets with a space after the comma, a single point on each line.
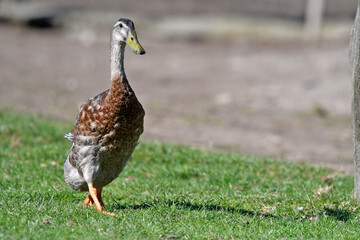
[120, 25]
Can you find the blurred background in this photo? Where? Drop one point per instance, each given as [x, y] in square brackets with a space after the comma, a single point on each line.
[258, 77]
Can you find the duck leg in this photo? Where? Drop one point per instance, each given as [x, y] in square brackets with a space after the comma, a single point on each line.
[90, 202]
[95, 194]
[98, 194]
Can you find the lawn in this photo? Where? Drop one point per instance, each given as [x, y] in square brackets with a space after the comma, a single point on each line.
[166, 191]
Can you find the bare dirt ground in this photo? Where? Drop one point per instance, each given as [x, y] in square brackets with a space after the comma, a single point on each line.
[289, 100]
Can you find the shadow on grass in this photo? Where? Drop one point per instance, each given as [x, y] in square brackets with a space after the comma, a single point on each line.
[338, 214]
[194, 207]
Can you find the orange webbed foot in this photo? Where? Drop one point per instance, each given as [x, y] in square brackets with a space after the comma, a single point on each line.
[108, 213]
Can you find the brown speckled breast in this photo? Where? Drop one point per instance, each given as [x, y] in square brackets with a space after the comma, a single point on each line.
[109, 124]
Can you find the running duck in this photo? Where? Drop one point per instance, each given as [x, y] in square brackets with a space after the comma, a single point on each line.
[108, 126]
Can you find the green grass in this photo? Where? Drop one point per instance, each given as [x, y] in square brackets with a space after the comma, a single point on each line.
[166, 190]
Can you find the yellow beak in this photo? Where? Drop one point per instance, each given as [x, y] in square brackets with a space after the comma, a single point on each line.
[134, 43]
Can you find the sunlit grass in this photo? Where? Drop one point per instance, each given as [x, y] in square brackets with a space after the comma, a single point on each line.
[167, 191]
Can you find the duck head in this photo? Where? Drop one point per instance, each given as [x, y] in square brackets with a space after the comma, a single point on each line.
[124, 32]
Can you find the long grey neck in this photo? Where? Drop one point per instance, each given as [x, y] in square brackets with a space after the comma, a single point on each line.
[117, 59]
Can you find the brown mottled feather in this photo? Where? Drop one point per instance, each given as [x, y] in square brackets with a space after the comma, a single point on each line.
[111, 119]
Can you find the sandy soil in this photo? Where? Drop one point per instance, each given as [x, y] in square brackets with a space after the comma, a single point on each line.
[287, 100]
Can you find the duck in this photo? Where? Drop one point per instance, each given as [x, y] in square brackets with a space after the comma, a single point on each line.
[108, 126]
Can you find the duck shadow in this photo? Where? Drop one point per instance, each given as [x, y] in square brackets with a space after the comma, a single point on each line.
[194, 207]
[337, 214]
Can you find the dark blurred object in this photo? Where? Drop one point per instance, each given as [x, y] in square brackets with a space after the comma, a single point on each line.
[42, 22]
[33, 14]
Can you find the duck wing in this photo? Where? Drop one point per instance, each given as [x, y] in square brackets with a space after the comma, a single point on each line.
[88, 126]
